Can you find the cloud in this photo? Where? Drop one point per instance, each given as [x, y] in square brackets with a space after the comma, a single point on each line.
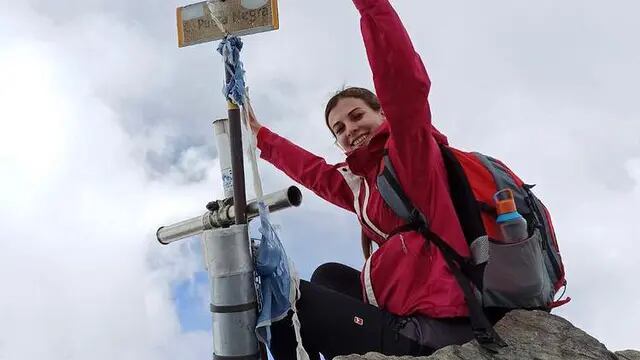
[82, 272]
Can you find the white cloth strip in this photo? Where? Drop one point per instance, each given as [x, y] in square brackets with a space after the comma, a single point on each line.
[252, 149]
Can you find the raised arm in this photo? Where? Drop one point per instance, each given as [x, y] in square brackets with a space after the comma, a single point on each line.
[400, 78]
[402, 85]
[330, 182]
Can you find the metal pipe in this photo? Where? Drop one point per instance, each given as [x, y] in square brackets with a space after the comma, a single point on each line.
[225, 216]
[221, 132]
[291, 196]
[233, 293]
[237, 163]
[182, 230]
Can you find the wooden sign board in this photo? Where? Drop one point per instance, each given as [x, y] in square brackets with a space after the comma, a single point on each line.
[196, 24]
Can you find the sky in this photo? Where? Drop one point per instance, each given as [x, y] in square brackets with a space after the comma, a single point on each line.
[105, 135]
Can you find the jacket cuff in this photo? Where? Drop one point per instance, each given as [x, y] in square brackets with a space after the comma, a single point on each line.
[263, 137]
[363, 5]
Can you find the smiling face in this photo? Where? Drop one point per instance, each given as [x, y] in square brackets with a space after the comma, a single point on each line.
[353, 122]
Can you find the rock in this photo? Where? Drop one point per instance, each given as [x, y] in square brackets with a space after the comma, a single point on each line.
[531, 335]
[628, 355]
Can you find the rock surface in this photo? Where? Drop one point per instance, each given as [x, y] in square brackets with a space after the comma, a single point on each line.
[530, 335]
[628, 355]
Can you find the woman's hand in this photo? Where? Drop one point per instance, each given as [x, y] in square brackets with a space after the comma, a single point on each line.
[253, 120]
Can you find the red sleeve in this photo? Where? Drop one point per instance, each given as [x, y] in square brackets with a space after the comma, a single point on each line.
[400, 79]
[402, 85]
[307, 169]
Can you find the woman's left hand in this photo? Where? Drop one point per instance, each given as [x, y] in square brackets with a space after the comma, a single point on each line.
[253, 120]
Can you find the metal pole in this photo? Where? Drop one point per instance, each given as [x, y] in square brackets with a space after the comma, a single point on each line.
[221, 132]
[237, 163]
[240, 212]
[227, 247]
[234, 307]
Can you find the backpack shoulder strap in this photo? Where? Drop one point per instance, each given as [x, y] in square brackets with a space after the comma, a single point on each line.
[394, 196]
[396, 199]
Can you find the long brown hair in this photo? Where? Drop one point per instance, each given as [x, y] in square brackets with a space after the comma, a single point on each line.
[367, 245]
[372, 101]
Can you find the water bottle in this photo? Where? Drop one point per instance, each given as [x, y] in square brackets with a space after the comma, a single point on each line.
[513, 226]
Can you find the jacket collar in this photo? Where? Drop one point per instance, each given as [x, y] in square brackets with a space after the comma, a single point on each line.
[363, 159]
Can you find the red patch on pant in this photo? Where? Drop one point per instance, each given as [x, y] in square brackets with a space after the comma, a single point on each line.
[358, 320]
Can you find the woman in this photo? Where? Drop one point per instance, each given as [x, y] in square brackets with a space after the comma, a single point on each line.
[412, 303]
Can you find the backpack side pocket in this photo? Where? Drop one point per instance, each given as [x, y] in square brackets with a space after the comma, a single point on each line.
[516, 275]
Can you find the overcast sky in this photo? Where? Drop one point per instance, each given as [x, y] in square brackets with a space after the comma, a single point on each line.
[105, 134]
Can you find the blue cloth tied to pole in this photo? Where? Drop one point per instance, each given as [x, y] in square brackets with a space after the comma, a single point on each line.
[234, 88]
[277, 287]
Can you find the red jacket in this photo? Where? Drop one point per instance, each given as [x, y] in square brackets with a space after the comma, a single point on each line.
[402, 276]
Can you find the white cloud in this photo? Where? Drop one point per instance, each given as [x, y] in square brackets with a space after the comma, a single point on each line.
[82, 273]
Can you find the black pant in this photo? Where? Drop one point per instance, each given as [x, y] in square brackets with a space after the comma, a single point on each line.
[335, 321]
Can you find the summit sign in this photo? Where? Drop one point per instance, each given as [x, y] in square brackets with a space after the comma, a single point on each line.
[212, 20]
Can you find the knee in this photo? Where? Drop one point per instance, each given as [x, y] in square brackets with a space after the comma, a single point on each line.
[328, 273]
